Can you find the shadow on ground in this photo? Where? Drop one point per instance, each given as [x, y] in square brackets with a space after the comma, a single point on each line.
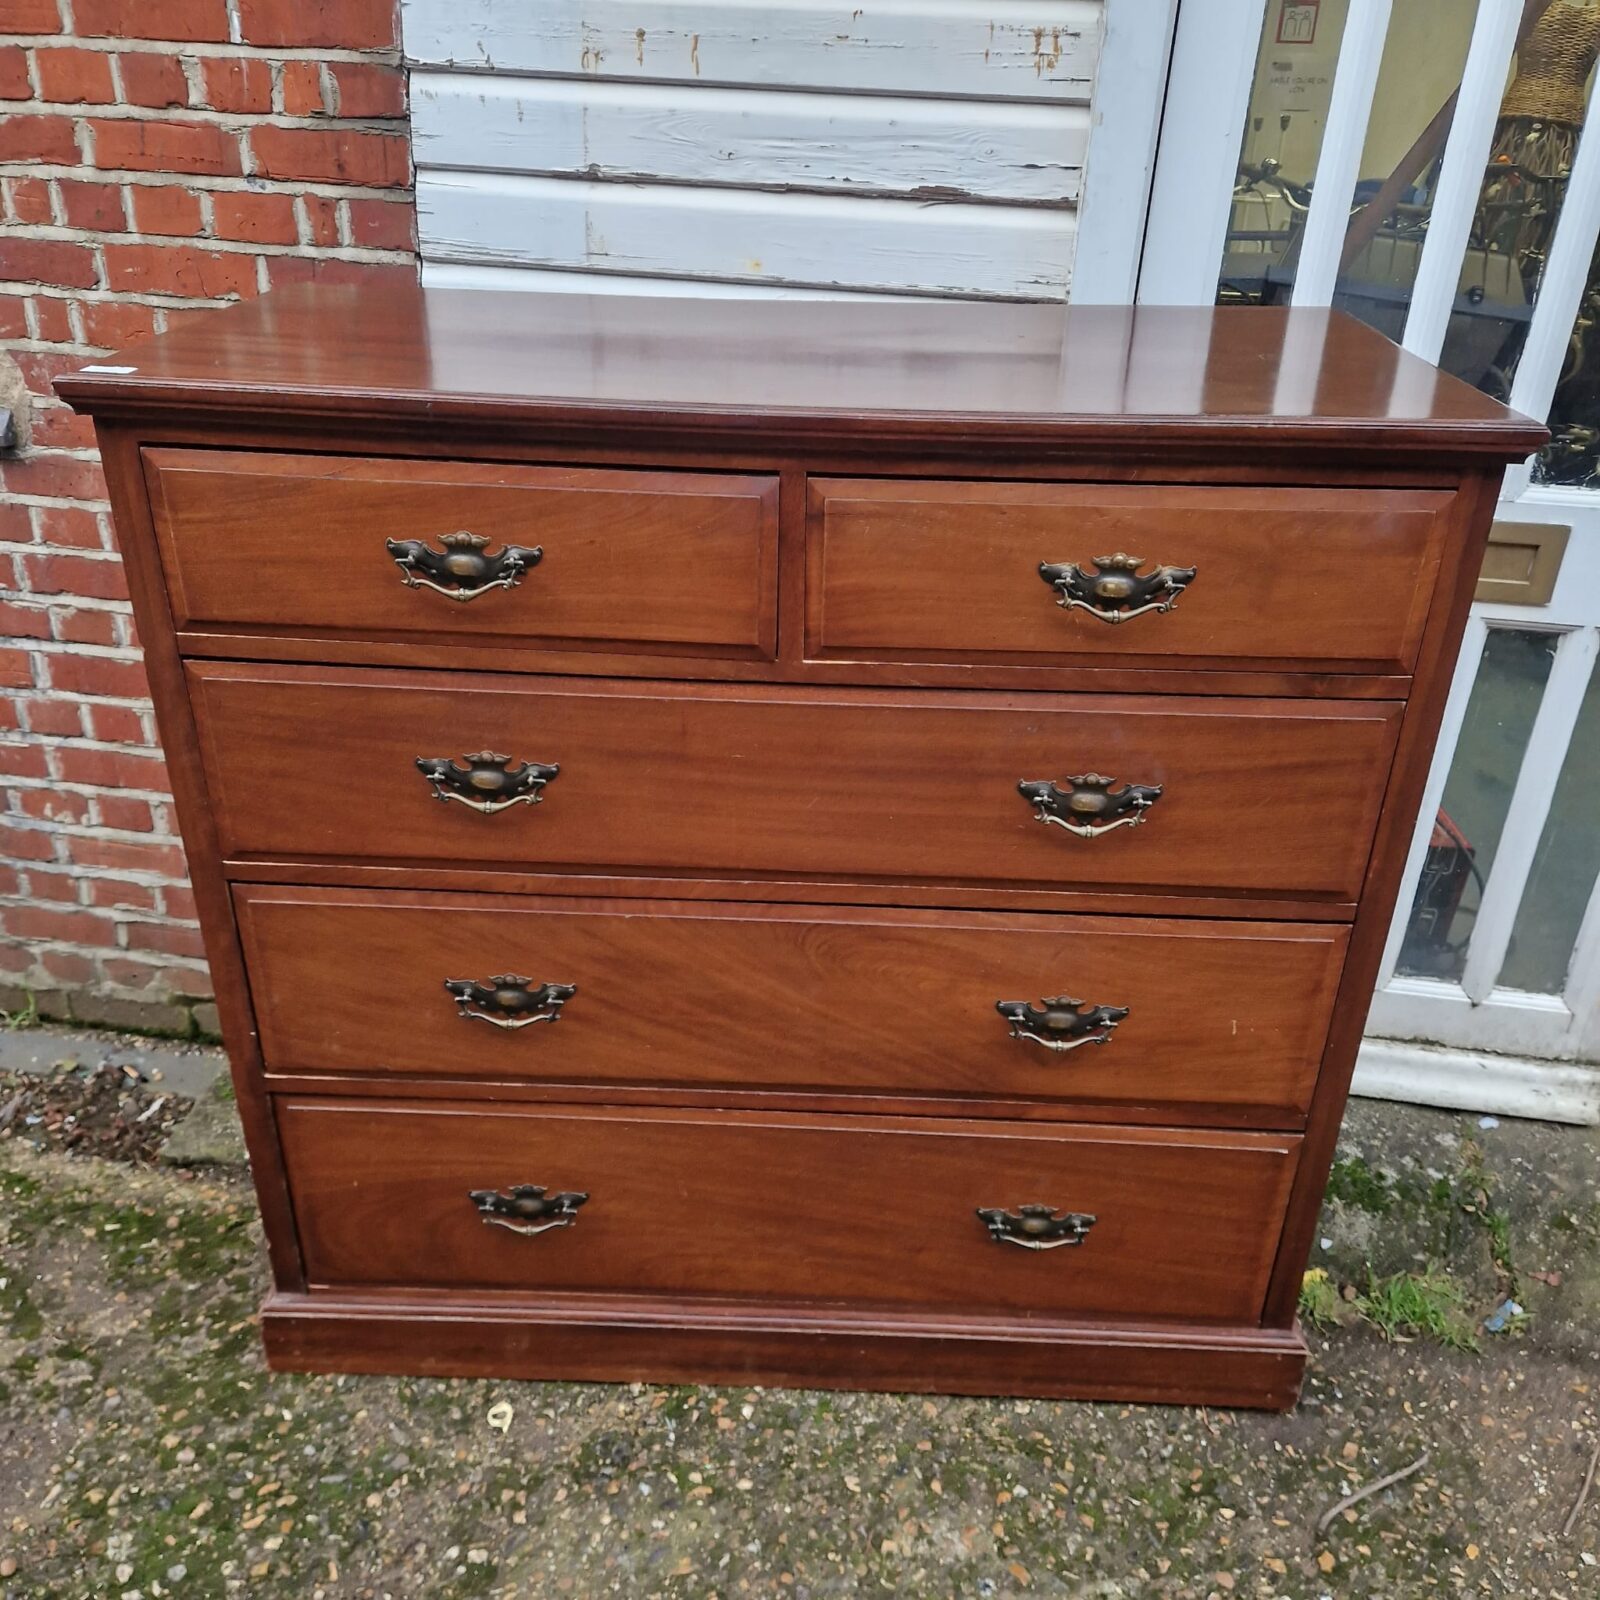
[145, 1452]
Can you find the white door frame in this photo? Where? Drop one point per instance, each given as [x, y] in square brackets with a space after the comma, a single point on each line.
[1471, 1043]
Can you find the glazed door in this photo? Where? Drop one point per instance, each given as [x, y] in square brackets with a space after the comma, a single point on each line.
[1426, 168]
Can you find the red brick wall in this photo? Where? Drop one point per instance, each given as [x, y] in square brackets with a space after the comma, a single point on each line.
[158, 158]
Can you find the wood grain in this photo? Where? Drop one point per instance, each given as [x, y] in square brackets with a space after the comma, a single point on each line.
[732, 996]
[876, 1211]
[1310, 579]
[1277, 796]
[289, 544]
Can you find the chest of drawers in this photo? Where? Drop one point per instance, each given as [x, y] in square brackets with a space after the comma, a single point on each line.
[798, 843]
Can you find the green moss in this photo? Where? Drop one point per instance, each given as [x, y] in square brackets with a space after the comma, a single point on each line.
[1353, 1183]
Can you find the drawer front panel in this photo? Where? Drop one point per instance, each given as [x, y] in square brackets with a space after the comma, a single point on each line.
[1299, 579]
[763, 1207]
[630, 560]
[747, 997]
[1276, 797]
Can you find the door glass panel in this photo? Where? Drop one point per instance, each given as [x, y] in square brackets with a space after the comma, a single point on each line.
[1477, 797]
[1423, 55]
[1573, 454]
[1565, 867]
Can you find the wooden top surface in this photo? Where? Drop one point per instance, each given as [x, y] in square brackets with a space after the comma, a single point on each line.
[793, 369]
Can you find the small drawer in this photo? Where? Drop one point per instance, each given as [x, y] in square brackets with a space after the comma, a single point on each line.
[1222, 1019]
[763, 1207]
[1301, 580]
[1047, 792]
[385, 549]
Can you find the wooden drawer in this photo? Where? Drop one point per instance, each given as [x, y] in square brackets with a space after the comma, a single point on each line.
[1334, 580]
[876, 1211]
[681, 562]
[1224, 1017]
[1272, 796]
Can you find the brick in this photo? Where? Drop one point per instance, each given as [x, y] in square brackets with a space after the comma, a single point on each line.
[16, 669]
[237, 83]
[23, 622]
[65, 927]
[383, 224]
[48, 261]
[151, 78]
[13, 316]
[83, 627]
[16, 527]
[124, 813]
[332, 155]
[166, 208]
[38, 137]
[284, 270]
[74, 77]
[179, 269]
[120, 855]
[69, 526]
[40, 368]
[55, 719]
[29, 16]
[254, 218]
[28, 200]
[179, 902]
[117, 725]
[60, 806]
[166, 938]
[14, 81]
[25, 844]
[157, 146]
[10, 881]
[61, 428]
[347, 24]
[111, 324]
[97, 579]
[189, 21]
[322, 219]
[366, 89]
[67, 966]
[46, 472]
[112, 769]
[53, 320]
[302, 89]
[94, 207]
[121, 895]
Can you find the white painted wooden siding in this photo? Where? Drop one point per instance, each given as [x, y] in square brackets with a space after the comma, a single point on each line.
[899, 147]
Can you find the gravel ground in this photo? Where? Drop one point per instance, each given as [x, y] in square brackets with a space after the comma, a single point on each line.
[145, 1451]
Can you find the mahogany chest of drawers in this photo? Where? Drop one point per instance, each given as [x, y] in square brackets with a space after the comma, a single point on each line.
[793, 842]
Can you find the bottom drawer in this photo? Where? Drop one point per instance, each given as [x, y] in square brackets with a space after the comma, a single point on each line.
[869, 1210]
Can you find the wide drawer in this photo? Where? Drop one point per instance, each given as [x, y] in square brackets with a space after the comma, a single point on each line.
[1228, 1016]
[259, 543]
[873, 1210]
[1332, 580]
[1272, 796]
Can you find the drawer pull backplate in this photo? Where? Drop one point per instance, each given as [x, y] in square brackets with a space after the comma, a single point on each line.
[526, 1208]
[1114, 591]
[463, 570]
[488, 783]
[1061, 1023]
[509, 1001]
[1035, 1227]
[1087, 806]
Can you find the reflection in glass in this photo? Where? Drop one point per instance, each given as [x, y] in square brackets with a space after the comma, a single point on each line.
[1565, 867]
[1477, 797]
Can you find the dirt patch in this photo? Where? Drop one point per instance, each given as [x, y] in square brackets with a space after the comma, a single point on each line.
[104, 1111]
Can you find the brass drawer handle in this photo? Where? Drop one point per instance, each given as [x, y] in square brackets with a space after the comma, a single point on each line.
[526, 1208]
[463, 571]
[1087, 807]
[509, 1001]
[1061, 1023]
[1114, 591]
[488, 783]
[1035, 1227]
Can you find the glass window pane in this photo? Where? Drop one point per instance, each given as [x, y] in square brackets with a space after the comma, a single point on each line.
[1477, 796]
[1565, 867]
[1573, 454]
